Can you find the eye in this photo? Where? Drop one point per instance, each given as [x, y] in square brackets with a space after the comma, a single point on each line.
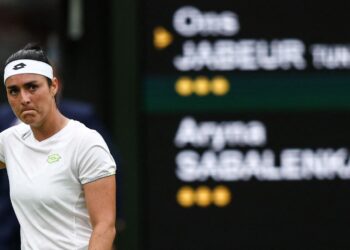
[13, 91]
[32, 87]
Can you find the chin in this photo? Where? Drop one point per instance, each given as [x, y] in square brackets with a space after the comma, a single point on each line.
[29, 121]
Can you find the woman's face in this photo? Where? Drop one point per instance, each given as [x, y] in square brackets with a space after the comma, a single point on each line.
[31, 98]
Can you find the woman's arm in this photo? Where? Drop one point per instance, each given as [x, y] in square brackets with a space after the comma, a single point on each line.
[100, 198]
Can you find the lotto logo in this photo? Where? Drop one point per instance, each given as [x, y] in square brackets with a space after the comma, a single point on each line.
[19, 66]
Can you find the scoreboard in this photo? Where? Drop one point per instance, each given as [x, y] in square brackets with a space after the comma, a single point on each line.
[245, 124]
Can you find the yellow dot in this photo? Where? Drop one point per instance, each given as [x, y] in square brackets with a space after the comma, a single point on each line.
[185, 196]
[201, 86]
[183, 86]
[221, 196]
[161, 37]
[203, 196]
[220, 85]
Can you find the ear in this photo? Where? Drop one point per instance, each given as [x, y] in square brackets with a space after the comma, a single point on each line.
[54, 87]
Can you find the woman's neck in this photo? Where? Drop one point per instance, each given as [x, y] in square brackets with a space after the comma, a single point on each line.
[50, 126]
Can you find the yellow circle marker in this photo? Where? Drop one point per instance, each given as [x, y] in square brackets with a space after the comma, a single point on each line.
[203, 196]
[220, 85]
[201, 86]
[221, 196]
[185, 196]
[183, 86]
[162, 38]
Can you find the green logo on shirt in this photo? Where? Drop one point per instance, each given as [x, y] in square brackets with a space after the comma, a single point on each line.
[53, 158]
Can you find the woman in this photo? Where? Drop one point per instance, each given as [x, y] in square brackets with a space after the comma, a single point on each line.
[61, 173]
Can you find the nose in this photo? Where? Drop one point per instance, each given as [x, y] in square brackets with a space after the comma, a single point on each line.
[25, 97]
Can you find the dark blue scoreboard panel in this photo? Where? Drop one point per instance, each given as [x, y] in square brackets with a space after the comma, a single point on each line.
[245, 125]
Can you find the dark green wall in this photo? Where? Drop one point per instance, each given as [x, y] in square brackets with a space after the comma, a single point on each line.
[125, 114]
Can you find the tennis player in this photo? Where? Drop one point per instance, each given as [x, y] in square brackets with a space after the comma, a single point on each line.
[61, 173]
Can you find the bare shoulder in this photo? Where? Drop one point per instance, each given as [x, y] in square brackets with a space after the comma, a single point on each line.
[2, 165]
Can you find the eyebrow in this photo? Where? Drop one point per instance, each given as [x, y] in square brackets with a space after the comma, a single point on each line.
[25, 84]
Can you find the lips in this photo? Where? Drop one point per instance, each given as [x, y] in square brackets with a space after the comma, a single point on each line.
[27, 109]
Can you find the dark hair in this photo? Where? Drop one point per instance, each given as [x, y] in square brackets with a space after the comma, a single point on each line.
[31, 51]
